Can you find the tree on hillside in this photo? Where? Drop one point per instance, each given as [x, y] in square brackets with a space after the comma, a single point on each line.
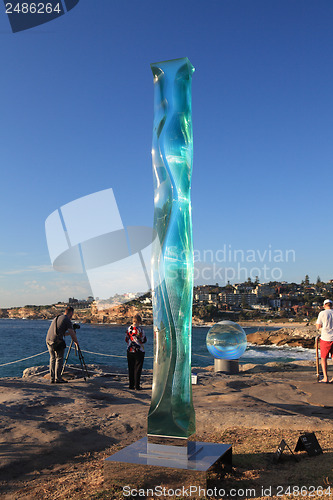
[244, 303]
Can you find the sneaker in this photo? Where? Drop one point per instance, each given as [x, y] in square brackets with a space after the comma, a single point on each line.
[62, 381]
[52, 382]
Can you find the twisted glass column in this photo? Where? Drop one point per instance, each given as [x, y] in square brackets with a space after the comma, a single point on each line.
[171, 412]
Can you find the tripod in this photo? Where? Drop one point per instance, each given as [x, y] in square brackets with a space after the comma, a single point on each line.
[81, 358]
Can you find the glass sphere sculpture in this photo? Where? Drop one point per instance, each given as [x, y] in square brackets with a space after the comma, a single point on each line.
[226, 340]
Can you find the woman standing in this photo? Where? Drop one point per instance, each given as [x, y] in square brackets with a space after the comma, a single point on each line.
[135, 338]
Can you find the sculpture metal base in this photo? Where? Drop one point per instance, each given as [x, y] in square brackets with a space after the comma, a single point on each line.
[228, 366]
[149, 465]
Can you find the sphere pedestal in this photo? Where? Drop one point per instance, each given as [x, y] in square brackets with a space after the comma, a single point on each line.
[228, 366]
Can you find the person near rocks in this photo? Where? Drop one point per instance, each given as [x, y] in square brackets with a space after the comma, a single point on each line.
[60, 326]
[325, 323]
[135, 340]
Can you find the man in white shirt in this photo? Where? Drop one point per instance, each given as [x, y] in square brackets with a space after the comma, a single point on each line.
[325, 322]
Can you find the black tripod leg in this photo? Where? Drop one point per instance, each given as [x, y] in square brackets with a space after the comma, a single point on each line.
[82, 367]
[65, 363]
[83, 364]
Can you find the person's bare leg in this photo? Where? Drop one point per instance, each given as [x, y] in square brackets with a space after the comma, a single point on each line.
[331, 381]
[324, 368]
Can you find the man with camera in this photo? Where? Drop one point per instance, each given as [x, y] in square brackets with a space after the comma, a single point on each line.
[60, 326]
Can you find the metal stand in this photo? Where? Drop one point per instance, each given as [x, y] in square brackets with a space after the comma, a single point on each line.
[81, 358]
[228, 366]
[145, 464]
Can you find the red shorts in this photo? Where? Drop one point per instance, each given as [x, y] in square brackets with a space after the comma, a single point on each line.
[325, 349]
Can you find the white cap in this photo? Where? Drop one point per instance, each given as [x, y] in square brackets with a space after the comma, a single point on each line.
[327, 301]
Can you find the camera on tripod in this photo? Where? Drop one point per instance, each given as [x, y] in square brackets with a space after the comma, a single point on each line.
[85, 372]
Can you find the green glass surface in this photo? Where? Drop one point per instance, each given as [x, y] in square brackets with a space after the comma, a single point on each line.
[171, 412]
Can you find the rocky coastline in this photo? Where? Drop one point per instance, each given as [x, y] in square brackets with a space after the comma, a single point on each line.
[302, 336]
[295, 335]
[120, 314]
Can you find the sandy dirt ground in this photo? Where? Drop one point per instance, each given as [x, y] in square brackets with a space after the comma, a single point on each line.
[48, 429]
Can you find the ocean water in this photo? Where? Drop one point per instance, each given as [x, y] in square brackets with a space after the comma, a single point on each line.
[24, 338]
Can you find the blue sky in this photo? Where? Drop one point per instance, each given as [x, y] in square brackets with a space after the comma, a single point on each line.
[77, 113]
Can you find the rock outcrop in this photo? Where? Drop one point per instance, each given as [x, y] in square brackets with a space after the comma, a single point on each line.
[120, 314]
[290, 337]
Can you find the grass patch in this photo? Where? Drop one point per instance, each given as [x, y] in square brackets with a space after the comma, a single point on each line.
[253, 465]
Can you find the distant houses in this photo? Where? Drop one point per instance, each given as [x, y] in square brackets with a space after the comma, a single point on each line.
[210, 302]
[281, 298]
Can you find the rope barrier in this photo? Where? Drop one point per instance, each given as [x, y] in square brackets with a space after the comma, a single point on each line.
[88, 352]
[102, 354]
[124, 357]
[103, 374]
[111, 355]
[23, 359]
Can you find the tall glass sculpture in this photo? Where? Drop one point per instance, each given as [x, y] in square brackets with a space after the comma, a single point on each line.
[171, 412]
